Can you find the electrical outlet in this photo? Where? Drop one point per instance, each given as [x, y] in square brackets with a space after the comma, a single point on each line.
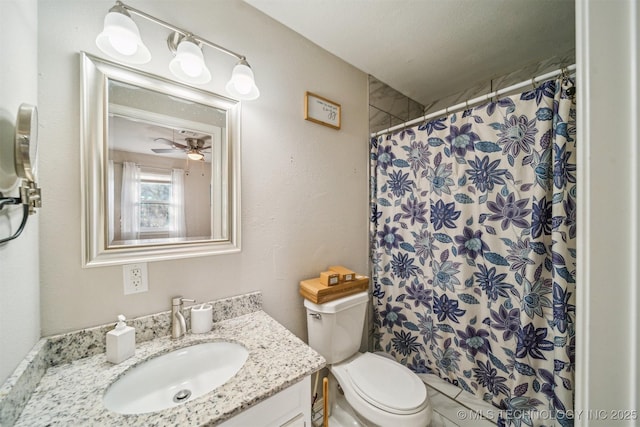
[135, 278]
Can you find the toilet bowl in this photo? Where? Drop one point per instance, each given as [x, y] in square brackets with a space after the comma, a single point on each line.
[380, 391]
[383, 392]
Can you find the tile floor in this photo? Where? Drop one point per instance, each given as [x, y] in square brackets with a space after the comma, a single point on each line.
[454, 407]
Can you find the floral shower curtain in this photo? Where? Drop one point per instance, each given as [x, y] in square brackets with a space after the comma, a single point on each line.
[473, 237]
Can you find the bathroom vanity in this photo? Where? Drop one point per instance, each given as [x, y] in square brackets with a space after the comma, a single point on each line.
[272, 388]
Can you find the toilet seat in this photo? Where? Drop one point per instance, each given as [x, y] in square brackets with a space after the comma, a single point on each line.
[383, 386]
[383, 392]
[386, 384]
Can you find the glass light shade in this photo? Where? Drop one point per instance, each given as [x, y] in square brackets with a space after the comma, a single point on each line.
[194, 155]
[242, 84]
[188, 64]
[121, 40]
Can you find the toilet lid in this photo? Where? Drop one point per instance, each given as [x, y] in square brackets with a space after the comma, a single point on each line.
[387, 384]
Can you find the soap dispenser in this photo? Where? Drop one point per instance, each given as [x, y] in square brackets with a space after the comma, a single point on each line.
[121, 342]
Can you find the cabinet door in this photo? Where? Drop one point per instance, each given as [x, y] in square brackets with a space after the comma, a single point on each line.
[297, 421]
[291, 407]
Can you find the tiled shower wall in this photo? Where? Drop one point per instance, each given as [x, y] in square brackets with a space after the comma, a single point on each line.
[388, 107]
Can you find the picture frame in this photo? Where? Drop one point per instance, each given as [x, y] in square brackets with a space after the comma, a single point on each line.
[321, 110]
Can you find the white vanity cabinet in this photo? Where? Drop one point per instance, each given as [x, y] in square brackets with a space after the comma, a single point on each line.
[289, 408]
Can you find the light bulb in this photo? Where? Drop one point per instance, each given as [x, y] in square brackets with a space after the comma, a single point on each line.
[120, 38]
[194, 155]
[123, 42]
[243, 84]
[188, 64]
[191, 65]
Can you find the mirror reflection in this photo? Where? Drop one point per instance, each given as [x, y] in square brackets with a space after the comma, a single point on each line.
[161, 167]
[162, 152]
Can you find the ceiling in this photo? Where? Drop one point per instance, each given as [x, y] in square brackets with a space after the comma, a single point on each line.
[138, 136]
[430, 49]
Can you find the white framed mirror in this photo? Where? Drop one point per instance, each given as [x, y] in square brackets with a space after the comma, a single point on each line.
[160, 167]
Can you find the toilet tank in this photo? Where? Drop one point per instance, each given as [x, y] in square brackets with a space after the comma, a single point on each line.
[335, 328]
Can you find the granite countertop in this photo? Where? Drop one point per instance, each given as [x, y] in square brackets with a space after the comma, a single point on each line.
[71, 393]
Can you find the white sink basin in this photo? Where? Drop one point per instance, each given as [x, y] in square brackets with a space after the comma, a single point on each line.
[174, 378]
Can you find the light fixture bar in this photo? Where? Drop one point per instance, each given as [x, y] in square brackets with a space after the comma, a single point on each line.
[121, 39]
[179, 30]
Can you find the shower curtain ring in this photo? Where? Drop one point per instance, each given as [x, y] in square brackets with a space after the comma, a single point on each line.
[533, 83]
[494, 93]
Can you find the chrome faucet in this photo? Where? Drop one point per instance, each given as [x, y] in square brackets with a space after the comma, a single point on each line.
[178, 324]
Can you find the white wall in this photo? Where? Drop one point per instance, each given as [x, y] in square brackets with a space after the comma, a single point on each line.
[19, 286]
[609, 211]
[304, 186]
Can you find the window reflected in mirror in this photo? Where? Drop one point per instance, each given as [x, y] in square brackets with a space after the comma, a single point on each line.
[161, 184]
[169, 167]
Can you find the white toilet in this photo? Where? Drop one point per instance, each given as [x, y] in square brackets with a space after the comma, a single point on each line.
[380, 391]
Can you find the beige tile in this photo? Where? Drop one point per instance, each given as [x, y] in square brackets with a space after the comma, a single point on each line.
[467, 399]
[440, 385]
[445, 406]
[438, 420]
[478, 405]
[454, 412]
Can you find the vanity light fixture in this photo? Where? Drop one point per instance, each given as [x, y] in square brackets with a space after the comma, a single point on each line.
[121, 40]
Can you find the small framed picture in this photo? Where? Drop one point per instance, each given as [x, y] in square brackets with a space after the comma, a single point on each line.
[321, 110]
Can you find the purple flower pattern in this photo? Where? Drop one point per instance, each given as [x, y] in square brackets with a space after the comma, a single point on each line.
[473, 249]
[462, 139]
[517, 134]
[510, 211]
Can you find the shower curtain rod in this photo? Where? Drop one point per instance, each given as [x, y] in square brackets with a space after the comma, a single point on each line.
[474, 101]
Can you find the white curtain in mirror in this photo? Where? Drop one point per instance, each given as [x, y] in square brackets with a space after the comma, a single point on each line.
[110, 200]
[178, 221]
[133, 119]
[130, 207]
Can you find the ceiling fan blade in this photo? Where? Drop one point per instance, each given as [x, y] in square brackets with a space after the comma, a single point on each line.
[204, 148]
[177, 145]
[163, 150]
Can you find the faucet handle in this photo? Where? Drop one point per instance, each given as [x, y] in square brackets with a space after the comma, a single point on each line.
[180, 300]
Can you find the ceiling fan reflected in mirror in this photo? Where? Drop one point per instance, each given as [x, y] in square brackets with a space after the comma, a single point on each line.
[193, 147]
